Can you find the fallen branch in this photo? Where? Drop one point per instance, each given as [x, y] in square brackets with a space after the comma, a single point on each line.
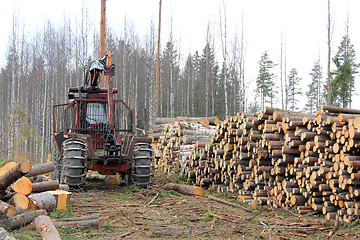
[152, 200]
[122, 212]
[228, 203]
[223, 218]
[335, 226]
[127, 234]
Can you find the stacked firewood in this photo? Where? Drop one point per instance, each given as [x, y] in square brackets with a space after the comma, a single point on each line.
[24, 195]
[177, 138]
[309, 162]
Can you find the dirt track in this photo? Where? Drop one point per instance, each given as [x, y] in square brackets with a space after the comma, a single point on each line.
[126, 213]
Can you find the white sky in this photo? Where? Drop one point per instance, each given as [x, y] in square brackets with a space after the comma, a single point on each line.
[301, 23]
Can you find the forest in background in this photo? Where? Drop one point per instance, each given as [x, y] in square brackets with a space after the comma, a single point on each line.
[43, 64]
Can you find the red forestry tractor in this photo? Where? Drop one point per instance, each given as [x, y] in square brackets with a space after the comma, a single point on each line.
[95, 132]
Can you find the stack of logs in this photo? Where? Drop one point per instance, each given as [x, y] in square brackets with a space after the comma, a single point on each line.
[289, 160]
[24, 195]
[176, 138]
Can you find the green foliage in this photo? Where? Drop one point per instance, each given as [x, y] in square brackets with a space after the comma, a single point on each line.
[265, 81]
[66, 213]
[180, 179]
[293, 89]
[207, 216]
[124, 196]
[314, 94]
[342, 83]
[22, 234]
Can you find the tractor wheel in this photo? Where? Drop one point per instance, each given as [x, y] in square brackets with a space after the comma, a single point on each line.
[143, 168]
[73, 169]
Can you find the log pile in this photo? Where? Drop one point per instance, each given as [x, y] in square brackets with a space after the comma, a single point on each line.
[289, 160]
[177, 138]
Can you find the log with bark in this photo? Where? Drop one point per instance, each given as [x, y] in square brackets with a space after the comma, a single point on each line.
[4, 235]
[46, 228]
[14, 174]
[43, 200]
[184, 189]
[41, 169]
[21, 220]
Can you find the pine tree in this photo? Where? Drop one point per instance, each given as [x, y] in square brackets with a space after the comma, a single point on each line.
[265, 81]
[314, 96]
[343, 81]
[293, 89]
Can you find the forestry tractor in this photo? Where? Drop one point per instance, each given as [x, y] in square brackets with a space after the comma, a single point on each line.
[95, 132]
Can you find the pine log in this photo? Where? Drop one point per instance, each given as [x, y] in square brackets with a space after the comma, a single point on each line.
[41, 169]
[6, 209]
[43, 200]
[4, 235]
[21, 220]
[4, 169]
[185, 189]
[46, 186]
[23, 185]
[334, 109]
[14, 174]
[80, 218]
[80, 224]
[46, 228]
[19, 200]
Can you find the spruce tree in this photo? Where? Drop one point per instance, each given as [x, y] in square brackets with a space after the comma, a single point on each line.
[343, 77]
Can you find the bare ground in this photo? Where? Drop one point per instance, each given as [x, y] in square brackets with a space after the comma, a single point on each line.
[129, 212]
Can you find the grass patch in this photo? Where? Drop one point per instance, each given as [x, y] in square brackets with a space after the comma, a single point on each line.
[66, 213]
[25, 234]
[207, 216]
[180, 179]
[124, 196]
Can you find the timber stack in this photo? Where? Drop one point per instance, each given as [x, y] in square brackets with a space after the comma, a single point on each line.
[285, 159]
[175, 140]
[24, 195]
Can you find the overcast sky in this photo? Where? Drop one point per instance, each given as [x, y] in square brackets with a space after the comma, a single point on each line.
[301, 25]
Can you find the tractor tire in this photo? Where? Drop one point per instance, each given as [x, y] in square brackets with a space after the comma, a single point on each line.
[142, 164]
[73, 167]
